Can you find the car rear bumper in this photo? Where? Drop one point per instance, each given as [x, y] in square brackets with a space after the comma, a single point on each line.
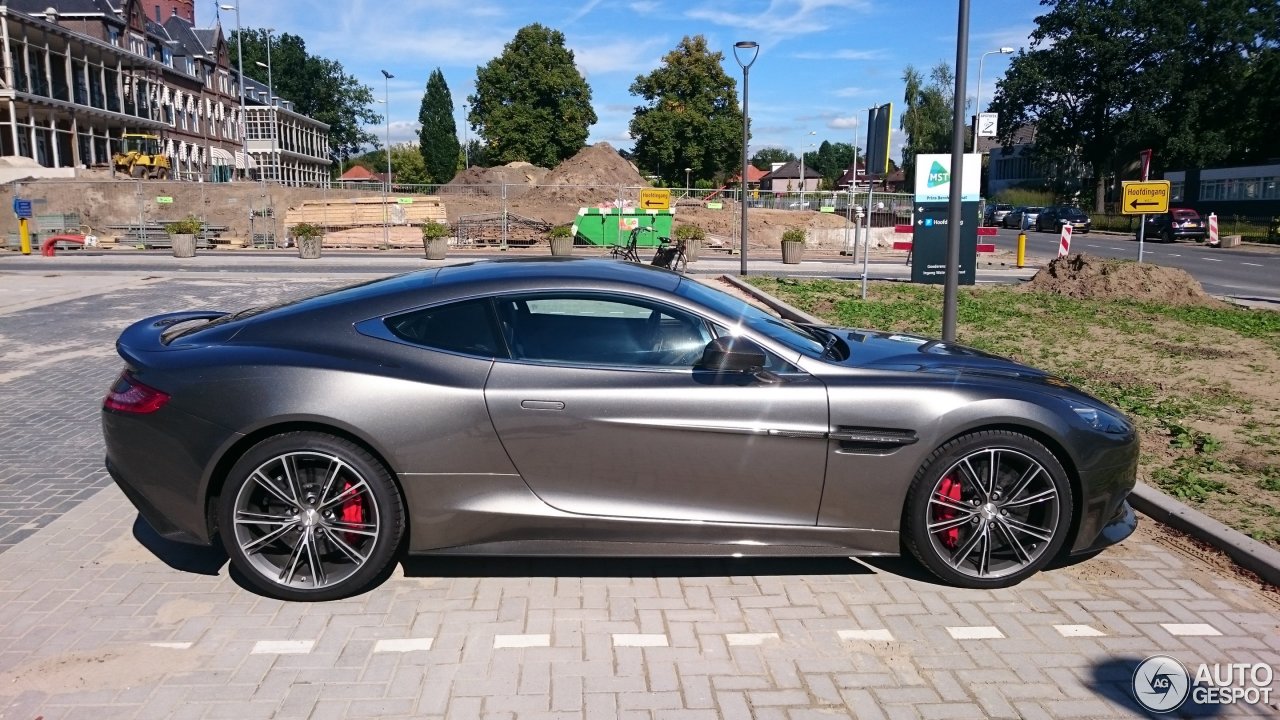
[159, 462]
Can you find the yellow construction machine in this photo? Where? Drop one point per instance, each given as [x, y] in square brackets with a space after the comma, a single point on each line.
[141, 156]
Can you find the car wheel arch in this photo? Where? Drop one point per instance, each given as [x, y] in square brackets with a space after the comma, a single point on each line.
[1045, 438]
[227, 459]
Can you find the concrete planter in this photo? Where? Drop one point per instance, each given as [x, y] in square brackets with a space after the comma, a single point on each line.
[437, 248]
[562, 246]
[792, 252]
[692, 247]
[184, 246]
[309, 247]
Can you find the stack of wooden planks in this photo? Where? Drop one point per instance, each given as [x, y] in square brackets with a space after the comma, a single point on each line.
[359, 222]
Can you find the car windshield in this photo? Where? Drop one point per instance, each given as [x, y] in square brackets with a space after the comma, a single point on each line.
[787, 333]
[1004, 207]
[1185, 215]
[1073, 213]
[1033, 209]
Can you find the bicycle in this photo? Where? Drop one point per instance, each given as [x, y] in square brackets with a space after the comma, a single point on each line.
[630, 251]
[671, 256]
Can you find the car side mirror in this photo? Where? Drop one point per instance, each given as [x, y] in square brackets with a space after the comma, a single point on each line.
[733, 354]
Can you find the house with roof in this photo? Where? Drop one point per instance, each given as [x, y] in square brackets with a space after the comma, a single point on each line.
[785, 177]
[85, 72]
[754, 175]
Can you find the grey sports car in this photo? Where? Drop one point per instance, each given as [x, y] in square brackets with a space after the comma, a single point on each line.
[572, 406]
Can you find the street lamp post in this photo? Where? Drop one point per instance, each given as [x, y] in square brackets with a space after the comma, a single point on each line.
[686, 180]
[466, 140]
[977, 102]
[244, 141]
[754, 47]
[386, 188]
[803, 149]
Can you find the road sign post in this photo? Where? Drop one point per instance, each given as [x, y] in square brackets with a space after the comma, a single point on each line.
[1140, 198]
[655, 199]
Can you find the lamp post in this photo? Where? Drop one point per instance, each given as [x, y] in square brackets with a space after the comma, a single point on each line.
[386, 188]
[977, 102]
[466, 140]
[754, 47]
[803, 149]
[244, 142]
[686, 180]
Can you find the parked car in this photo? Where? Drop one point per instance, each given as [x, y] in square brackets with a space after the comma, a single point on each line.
[1051, 219]
[585, 406]
[996, 213]
[1178, 223]
[1022, 217]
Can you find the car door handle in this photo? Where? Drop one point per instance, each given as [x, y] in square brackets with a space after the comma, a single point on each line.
[541, 405]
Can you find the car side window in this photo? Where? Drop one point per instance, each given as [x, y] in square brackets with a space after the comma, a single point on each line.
[463, 327]
[601, 330]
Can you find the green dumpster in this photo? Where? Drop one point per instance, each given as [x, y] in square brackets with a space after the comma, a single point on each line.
[613, 226]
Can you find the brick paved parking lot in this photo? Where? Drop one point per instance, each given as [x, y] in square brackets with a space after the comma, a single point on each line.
[104, 620]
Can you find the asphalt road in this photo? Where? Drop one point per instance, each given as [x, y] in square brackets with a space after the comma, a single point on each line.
[1249, 272]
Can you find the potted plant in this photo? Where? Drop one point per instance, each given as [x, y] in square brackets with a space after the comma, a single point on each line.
[561, 239]
[435, 239]
[693, 237]
[310, 240]
[793, 245]
[182, 235]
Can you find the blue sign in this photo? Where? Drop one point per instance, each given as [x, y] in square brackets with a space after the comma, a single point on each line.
[22, 208]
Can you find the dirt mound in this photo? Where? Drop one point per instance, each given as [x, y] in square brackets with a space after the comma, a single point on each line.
[519, 176]
[1094, 278]
[596, 175]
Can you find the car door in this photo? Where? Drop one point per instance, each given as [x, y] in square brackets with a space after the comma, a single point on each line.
[603, 413]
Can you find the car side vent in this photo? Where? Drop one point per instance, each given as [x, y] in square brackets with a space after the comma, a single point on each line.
[872, 441]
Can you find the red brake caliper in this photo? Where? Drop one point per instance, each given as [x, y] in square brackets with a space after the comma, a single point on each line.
[352, 512]
[950, 489]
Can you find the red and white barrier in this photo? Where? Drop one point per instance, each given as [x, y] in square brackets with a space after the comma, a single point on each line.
[1213, 230]
[1064, 246]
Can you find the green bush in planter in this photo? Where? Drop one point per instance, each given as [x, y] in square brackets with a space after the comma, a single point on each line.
[793, 235]
[434, 230]
[306, 230]
[690, 232]
[190, 225]
[561, 231]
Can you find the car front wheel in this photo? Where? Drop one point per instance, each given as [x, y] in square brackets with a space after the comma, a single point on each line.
[988, 510]
[309, 516]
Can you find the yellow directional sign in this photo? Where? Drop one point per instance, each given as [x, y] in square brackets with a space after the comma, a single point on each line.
[1145, 197]
[655, 199]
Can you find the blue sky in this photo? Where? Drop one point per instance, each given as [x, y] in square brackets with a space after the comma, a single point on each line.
[821, 63]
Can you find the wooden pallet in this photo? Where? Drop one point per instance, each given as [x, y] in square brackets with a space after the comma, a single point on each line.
[367, 212]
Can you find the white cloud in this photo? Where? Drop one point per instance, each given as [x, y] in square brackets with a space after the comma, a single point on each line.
[845, 54]
[782, 18]
[597, 56]
[582, 12]
[843, 123]
[645, 7]
[849, 92]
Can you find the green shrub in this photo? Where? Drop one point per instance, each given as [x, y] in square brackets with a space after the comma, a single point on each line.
[190, 225]
[435, 230]
[561, 231]
[1022, 197]
[793, 235]
[690, 232]
[306, 230]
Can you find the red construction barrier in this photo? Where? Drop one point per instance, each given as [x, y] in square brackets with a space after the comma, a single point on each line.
[47, 248]
[902, 229]
[906, 245]
[986, 231]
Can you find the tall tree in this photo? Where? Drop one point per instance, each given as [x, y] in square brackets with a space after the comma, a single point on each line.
[531, 103]
[318, 87]
[690, 117]
[438, 136]
[927, 119]
[766, 157]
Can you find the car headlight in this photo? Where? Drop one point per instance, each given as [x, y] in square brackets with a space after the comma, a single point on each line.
[1102, 420]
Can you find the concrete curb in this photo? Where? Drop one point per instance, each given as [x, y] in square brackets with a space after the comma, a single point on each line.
[787, 311]
[1244, 550]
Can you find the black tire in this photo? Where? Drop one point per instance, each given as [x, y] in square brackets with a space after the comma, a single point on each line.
[1167, 237]
[988, 519]
[137, 172]
[162, 174]
[332, 543]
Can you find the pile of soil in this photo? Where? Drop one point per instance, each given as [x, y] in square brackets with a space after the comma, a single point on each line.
[1094, 278]
[594, 176]
[519, 176]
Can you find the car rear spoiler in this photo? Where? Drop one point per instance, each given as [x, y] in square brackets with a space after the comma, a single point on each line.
[148, 335]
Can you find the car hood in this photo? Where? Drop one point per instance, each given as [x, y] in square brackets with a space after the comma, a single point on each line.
[903, 351]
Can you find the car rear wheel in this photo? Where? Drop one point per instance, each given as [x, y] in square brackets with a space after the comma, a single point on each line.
[988, 510]
[1168, 236]
[309, 516]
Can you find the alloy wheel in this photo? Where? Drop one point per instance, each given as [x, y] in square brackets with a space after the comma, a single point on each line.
[993, 513]
[306, 520]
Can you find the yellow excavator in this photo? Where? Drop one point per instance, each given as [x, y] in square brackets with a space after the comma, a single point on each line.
[141, 157]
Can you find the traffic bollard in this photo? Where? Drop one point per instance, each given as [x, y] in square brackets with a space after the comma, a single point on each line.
[1022, 249]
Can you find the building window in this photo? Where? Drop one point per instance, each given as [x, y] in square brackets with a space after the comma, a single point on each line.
[1175, 191]
[114, 35]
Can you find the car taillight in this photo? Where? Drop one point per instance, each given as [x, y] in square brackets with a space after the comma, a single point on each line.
[128, 395]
